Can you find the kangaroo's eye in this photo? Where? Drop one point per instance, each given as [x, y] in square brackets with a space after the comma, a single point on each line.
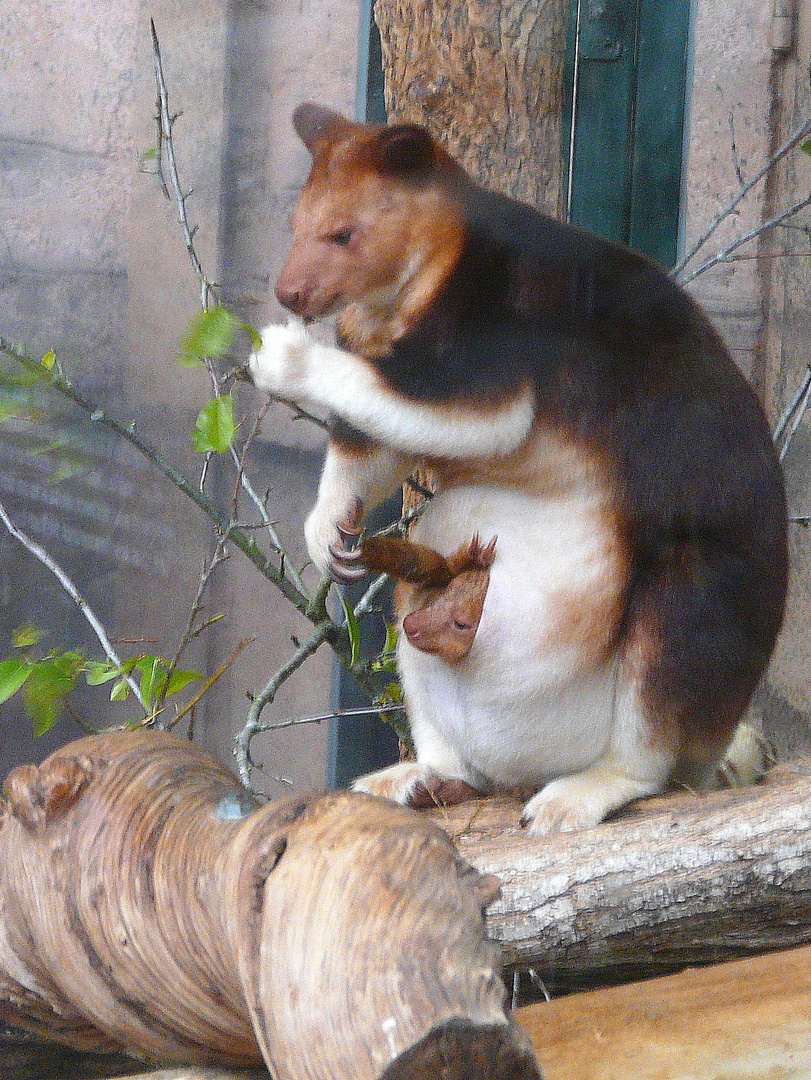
[341, 237]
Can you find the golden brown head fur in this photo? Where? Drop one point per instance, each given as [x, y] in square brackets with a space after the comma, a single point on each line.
[374, 234]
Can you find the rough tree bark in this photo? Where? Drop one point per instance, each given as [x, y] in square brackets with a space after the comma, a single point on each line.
[146, 904]
[487, 80]
[675, 881]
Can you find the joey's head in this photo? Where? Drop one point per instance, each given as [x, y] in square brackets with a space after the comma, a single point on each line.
[446, 624]
[375, 232]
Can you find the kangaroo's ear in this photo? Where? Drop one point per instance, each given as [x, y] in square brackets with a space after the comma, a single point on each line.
[316, 124]
[406, 150]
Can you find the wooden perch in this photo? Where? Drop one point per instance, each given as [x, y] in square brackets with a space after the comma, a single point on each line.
[146, 903]
[675, 881]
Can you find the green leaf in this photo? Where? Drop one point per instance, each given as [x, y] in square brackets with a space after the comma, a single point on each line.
[121, 690]
[353, 629]
[47, 685]
[26, 636]
[806, 146]
[390, 695]
[153, 678]
[180, 680]
[48, 360]
[392, 634]
[209, 334]
[215, 425]
[254, 335]
[13, 674]
[98, 672]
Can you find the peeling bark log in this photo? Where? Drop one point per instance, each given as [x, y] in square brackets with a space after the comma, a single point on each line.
[676, 881]
[147, 904]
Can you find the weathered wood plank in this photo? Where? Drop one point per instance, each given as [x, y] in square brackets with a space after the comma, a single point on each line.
[743, 1020]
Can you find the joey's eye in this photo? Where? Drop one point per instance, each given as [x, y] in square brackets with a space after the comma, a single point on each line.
[461, 626]
[341, 237]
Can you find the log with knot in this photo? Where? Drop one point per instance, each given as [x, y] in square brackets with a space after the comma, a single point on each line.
[147, 903]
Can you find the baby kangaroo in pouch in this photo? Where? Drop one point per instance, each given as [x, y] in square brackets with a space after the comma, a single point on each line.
[577, 405]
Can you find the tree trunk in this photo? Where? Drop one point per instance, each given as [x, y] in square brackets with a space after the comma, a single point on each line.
[676, 881]
[487, 80]
[147, 904]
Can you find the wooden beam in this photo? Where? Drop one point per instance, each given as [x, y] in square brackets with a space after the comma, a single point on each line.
[745, 1019]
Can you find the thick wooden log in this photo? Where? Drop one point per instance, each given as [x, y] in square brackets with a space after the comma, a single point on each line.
[147, 904]
[680, 880]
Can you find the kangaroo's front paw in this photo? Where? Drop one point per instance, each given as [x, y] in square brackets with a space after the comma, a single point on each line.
[412, 784]
[345, 558]
[583, 800]
[280, 365]
[328, 532]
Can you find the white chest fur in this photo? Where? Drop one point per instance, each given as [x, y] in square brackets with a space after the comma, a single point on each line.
[534, 698]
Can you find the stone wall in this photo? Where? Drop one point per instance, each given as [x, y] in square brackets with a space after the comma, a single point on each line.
[93, 266]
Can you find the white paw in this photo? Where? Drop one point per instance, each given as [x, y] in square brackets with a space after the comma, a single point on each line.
[397, 783]
[747, 759]
[550, 812]
[280, 365]
[583, 800]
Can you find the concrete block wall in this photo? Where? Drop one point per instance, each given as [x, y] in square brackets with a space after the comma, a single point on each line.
[92, 265]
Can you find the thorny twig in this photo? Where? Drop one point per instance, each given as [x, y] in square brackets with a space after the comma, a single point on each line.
[165, 123]
[70, 588]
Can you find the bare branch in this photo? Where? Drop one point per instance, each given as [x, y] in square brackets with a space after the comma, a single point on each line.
[799, 412]
[165, 124]
[724, 254]
[787, 415]
[297, 721]
[221, 670]
[800, 133]
[252, 726]
[70, 588]
[326, 631]
[246, 544]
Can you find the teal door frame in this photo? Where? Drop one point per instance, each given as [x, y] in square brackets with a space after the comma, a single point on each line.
[627, 69]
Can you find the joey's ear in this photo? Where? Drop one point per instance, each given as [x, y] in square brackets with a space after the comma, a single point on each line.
[316, 124]
[406, 150]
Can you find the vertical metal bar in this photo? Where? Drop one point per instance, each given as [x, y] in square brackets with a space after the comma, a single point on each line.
[573, 124]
